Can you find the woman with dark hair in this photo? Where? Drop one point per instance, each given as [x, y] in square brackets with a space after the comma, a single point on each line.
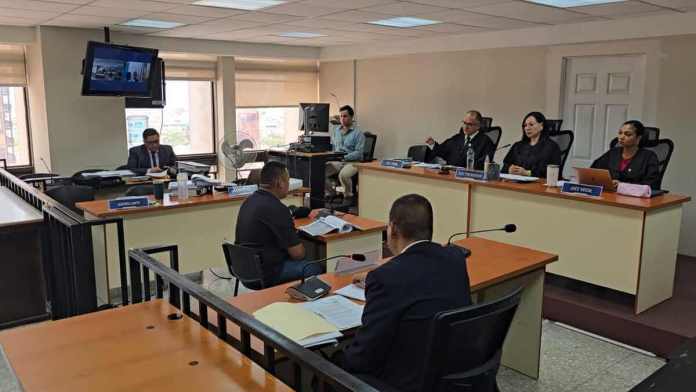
[628, 162]
[535, 151]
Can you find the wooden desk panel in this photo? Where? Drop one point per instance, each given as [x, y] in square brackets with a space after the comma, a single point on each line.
[116, 350]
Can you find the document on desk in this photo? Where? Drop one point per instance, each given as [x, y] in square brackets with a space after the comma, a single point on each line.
[352, 291]
[518, 178]
[108, 174]
[326, 225]
[338, 311]
[295, 321]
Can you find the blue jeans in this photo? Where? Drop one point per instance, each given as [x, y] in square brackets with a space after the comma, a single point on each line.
[292, 270]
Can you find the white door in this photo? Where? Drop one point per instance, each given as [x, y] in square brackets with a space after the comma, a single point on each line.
[601, 92]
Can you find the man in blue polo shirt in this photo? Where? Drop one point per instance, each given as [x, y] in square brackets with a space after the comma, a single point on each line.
[349, 139]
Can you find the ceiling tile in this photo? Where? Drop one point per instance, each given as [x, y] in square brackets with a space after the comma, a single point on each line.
[479, 20]
[151, 6]
[77, 2]
[14, 21]
[211, 12]
[297, 9]
[460, 4]
[318, 22]
[452, 28]
[37, 5]
[84, 21]
[108, 12]
[683, 5]
[529, 12]
[186, 19]
[28, 14]
[357, 16]
[369, 28]
[404, 9]
[346, 5]
[664, 11]
[133, 29]
[263, 17]
[612, 9]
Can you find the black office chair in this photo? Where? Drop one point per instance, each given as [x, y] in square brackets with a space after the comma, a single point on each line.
[140, 190]
[95, 182]
[122, 167]
[564, 139]
[553, 125]
[465, 346]
[68, 195]
[494, 133]
[418, 153]
[652, 134]
[244, 263]
[44, 180]
[663, 148]
[486, 123]
[369, 150]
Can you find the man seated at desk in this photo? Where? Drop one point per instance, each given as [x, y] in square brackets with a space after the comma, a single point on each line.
[402, 297]
[349, 139]
[453, 150]
[151, 155]
[266, 222]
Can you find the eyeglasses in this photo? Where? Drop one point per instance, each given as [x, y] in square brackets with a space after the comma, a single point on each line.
[469, 124]
[152, 142]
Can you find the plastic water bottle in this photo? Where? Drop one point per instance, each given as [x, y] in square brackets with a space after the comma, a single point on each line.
[470, 158]
[182, 186]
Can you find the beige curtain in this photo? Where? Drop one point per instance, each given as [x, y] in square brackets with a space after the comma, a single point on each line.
[12, 66]
[275, 83]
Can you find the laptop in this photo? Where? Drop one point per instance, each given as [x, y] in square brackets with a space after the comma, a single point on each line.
[588, 176]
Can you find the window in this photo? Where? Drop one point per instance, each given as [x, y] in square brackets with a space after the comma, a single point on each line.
[14, 132]
[185, 123]
[268, 126]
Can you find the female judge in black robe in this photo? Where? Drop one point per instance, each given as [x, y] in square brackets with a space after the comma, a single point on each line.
[531, 155]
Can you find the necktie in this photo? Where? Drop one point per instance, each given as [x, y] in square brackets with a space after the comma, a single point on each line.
[153, 159]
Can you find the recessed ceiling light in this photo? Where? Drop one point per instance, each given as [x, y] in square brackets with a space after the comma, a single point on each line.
[152, 24]
[249, 5]
[404, 21]
[299, 34]
[574, 3]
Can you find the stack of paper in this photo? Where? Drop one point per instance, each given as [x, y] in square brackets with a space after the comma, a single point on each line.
[339, 311]
[326, 225]
[518, 178]
[109, 174]
[352, 291]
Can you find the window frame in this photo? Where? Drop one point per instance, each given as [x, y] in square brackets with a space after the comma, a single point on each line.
[258, 150]
[24, 169]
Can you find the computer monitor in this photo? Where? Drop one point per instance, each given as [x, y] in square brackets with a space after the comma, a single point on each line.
[314, 117]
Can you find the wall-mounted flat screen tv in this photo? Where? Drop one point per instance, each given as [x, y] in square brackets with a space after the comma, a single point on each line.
[117, 70]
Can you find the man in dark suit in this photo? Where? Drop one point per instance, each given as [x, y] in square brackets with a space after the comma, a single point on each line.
[453, 150]
[402, 297]
[151, 155]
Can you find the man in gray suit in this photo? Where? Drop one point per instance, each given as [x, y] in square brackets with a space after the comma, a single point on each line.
[151, 155]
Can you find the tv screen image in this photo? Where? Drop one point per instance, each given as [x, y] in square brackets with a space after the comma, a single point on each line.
[118, 70]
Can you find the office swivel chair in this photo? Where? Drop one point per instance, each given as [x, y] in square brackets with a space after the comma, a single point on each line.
[652, 134]
[140, 190]
[244, 263]
[68, 195]
[486, 123]
[553, 125]
[663, 148]
[493, 133]
[418, 153]
[564, 139]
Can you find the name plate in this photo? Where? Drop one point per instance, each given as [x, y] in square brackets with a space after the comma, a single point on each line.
[128, 202]
[396, 163]
[587, 190]
[242, 190]
[469, 174]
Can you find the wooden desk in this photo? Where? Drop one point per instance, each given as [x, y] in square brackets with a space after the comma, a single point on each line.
[22, 287]
[310, 167]
[624, 243]
[133, 348]
[495, 269]
[366, 239]
[198, 226]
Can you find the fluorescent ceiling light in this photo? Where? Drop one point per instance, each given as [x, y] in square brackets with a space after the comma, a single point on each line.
[298, 34]
[153, 24]
[574, 3]
[249, 5]
[404, 21]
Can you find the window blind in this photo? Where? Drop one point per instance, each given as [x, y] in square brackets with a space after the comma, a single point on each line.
[12, 66]
[262, 83]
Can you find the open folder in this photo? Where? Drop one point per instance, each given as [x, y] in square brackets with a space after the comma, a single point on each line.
[326, 225]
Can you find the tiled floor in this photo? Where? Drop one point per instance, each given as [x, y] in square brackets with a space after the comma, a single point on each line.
[571, 361]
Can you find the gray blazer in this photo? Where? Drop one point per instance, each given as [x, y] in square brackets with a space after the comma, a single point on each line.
[139, 158]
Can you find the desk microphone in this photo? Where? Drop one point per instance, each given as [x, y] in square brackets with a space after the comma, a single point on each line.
[314, 288]
[509, 228]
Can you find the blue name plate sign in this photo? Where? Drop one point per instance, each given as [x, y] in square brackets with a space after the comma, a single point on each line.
[587, 190]
[243, 190]
[128, 202]
[396, 163]
[470, 174]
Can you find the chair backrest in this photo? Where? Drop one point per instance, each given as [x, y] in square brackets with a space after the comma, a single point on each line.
[494, 134]
[652, 134]
[663, 148]
[122, 167]
[486, 123]
[418, 153]
[68, 195]
[465, 346]
[553, 125]
[140, 190]
[564, 139]
[244, 263]
[370, 142]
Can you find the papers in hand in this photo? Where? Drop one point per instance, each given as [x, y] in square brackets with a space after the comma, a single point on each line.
[352, 291]
[160, 174]
[518, 178]
[312, 323]
[326, 225]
